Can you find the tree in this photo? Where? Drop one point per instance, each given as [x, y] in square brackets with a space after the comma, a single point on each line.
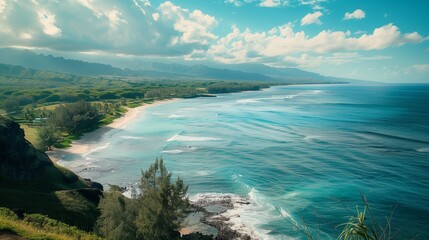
[118, 214]
[48, 136]
[76, 117]
[162, 204]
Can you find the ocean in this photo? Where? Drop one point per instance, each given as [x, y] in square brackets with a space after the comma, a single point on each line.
[299, 154]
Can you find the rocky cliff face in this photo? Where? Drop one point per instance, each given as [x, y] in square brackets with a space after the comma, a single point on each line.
[19, 160]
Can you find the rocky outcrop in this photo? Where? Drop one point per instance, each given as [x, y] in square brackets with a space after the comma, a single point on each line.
[214, 208]
[19, 160]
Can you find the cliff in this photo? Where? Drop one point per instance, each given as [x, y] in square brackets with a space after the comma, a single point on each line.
[31, 183]
[19, 160]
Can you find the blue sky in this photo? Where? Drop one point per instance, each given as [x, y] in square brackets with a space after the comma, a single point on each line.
[382, 40]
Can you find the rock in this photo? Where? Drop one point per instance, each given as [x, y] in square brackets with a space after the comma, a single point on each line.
[216, 219]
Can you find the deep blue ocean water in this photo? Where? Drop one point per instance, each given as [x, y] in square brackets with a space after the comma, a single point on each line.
[296, 152]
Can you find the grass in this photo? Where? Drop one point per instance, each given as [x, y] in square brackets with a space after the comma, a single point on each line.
[133, 104]
[30, 133]
[67, 140]
[49, 107]
[37, 227]
[57, 193]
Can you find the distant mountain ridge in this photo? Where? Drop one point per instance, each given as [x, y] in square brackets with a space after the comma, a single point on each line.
[235, 72]
[29, 59]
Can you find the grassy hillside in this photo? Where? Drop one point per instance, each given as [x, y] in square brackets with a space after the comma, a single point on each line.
[36, 226]
[30, 182]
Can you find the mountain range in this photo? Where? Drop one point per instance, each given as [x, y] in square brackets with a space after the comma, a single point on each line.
[236, 72]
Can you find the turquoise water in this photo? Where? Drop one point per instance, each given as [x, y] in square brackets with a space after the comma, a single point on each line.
[296, 152]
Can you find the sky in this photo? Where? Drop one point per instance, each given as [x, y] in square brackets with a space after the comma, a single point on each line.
[379, 40]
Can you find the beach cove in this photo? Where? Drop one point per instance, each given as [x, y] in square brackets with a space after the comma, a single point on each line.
[85, 144]
[273, 156]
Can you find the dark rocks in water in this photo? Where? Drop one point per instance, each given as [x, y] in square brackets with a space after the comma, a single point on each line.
[197, 236]
[19, 159]
[216, 219]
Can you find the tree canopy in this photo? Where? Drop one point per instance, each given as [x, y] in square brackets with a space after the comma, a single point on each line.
[162, 204]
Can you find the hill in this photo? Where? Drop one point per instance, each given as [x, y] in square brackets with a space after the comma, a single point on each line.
[30, 182]
[29, 59]
[172, 71]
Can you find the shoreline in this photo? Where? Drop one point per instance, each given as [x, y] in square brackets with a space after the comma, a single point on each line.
[84, 145]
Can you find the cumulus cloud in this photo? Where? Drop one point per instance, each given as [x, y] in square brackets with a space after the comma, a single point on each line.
[48, 22]
[155, 16]
[283, 44]
[273, 3]
[357, 14]
[312, 18]
[193, 25]
[121, 27]
[136, 27]
[2, 5]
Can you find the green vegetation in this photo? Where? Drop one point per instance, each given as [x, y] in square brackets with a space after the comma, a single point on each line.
[75, 118]
[78, 104]
[162, 204]
[118, 215]
[358, 227]
[22, 88]
[31, 182]
[156, 213]
[47, 137]
[36, 226]
[223, 87]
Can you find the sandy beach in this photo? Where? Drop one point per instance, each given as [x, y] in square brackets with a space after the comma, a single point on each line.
[85, 143]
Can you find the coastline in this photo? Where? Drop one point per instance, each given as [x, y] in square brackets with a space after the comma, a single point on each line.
[85, 143]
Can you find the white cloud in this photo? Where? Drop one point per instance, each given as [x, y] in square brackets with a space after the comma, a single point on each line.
[311, 18]
[194, 25]
[48, 22]
[119, 27]
[115, 18]
[236, 3]
[423, 68]
[2, 5]
[269, 3]
[315, 4]
[262, 3]
[155, 16]
[140, 5]
[357, 14]
[273, 3]
[25, 35]
[124, 28]
[282, 44]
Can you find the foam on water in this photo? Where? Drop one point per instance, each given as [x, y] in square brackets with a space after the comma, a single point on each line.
[422, 150]
[132, 137]
[286, 148]
[245, 215]
[96, 149]
[204, 173]
[182, 138]
[176, 116]
[244, 101]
